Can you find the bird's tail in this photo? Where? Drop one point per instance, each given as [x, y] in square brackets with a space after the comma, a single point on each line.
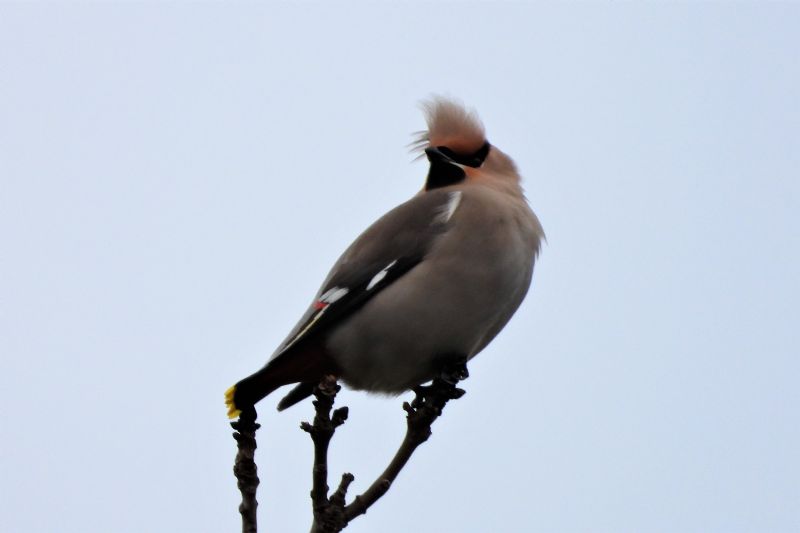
[304, 364]
[249, 391]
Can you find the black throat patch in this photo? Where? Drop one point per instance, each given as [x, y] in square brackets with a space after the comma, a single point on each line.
[443, 174]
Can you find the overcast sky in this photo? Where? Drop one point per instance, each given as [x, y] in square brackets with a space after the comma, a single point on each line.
[176, 180]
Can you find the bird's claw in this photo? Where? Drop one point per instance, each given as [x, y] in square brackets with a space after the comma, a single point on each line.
[454, 372]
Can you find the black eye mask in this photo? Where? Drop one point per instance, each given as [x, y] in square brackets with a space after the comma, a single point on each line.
[474, 160]
[444, 172]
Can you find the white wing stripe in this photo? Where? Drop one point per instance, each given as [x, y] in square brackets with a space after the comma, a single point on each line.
[331, 295]
[380, 275]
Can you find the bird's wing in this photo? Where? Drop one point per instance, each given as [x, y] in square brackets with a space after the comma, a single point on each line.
[389, 248]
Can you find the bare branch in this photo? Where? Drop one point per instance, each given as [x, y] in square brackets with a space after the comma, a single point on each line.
[328, 513]
[421, 413]
[244, 467]
[331, 515]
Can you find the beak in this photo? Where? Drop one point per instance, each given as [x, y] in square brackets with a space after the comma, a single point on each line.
[436, 156]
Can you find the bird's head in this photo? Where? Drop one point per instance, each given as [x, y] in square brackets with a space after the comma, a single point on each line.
[456, 146]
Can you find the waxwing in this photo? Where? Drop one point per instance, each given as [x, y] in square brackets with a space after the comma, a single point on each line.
[433, 280]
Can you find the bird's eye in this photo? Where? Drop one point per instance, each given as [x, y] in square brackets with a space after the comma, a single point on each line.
[481, 155]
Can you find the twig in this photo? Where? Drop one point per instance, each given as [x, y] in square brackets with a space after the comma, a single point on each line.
[421, 413]
[331, 515]
[244, 468]
[328, 513]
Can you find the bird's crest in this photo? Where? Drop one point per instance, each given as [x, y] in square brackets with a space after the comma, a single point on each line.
[450, 124]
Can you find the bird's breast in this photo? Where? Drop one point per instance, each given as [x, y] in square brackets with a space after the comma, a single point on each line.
[467, 287]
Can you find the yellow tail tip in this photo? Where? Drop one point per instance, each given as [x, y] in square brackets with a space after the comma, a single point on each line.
[233, 411]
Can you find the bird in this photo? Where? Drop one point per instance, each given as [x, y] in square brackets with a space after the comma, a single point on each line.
[430, 283]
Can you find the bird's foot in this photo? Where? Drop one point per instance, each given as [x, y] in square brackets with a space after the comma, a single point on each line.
[443, 387]
[455, 371]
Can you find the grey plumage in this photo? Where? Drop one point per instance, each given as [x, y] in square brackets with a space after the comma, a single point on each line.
[438, 276]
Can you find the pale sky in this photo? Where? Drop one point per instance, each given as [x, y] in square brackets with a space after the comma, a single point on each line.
[176, 180]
